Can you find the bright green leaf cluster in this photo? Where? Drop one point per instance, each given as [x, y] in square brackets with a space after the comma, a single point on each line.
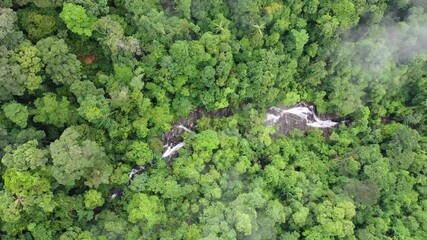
[16, 113]
[77, 20]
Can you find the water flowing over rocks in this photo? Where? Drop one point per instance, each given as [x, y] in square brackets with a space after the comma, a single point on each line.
[301, 116]
[171, 150]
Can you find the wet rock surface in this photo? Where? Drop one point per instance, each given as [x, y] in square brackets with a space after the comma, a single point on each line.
[301, 116]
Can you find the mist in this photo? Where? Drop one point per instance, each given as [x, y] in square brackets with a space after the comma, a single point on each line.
[398, 39]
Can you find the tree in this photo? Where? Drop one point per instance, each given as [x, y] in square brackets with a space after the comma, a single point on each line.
[10, 211]
[366, 193]
[30, 189]
[40, 231]
[346, 13]
[154, 25]
[214, 224]
[82, 89]
[334, 220]
[71, 212]
[40, 3]
[76, 158]
[245, 14]
[300, 216]
[17, 113]
[12, 80]
[184, 8]
[111, 34]
[111, 225]
[95, 109]
[26, 199]
[139, 153]
[27, 56]
[77, 233]
[300, 38]
[38, 23]
[247, 214]
[206, 140]
[77, 20]
[25, 135]
[9, 36]
[50, 109]
[93, 8]
[25, 156]
[6, 4]
[146, 209]
[62, 66]
[93, 199]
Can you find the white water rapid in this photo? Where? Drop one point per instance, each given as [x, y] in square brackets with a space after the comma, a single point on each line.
[303, 111]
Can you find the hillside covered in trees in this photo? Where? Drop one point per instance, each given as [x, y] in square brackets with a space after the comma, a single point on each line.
[155, 119]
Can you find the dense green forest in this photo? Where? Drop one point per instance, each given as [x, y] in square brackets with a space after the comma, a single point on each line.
[146, 119]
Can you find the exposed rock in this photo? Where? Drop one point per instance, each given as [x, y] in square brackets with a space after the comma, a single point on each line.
[116, 192]
[134, 171]
[301, 116]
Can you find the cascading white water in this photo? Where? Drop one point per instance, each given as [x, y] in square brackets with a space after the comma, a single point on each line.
[135, 171]
[304, 112]
[171, 150]
[184, 128]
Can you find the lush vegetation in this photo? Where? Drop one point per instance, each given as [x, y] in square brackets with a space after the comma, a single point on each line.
[87, 88]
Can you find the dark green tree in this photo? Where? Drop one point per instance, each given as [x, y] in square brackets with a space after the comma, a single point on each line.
[75, 158]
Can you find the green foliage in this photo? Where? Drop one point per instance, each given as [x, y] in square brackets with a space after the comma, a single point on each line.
[9, 36]
[145, 208]
[61, 66]
[363, 193]
[26, 198]
[28, 58]
[123, 73]
[94, 109]
[81, 89]
[112, 34]
[346, 13]
[25, 156]
[12, 79]
[77, 20]
[6, 4]
[16, 113]
[93, 93]
[93, 199]
[206, 140]
[30, 189]
[292, 98]
[37, 24]
[74, 157]
[93, 8]
[334, 220]
[300, 38]
[139, 153]
[76, 233]
[40, 3]
[50, 109]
